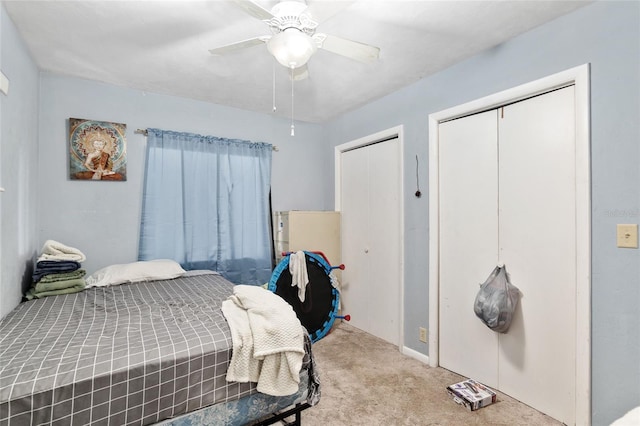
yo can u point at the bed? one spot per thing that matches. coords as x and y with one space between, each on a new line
151 352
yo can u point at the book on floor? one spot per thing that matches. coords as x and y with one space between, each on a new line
471 394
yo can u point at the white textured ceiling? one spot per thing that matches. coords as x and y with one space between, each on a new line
162 47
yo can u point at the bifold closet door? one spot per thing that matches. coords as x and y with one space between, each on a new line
468 242
507 194
355 225
538 246
370 206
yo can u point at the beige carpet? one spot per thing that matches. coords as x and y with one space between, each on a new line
367 381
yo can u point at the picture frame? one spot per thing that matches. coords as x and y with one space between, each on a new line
97 150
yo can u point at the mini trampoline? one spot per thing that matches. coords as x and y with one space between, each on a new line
320 308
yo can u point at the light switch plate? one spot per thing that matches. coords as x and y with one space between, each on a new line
627 235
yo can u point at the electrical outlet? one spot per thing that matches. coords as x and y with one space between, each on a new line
423 334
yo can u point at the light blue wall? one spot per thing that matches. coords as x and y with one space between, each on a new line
18 165
102 218
606 35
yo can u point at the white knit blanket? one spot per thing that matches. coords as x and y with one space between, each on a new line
54 250
268 340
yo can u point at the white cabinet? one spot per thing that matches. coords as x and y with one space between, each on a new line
308 230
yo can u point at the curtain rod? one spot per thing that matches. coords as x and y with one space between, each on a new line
144 132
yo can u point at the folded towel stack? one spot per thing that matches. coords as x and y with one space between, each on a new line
58 271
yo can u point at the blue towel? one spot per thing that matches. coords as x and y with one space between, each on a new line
46 267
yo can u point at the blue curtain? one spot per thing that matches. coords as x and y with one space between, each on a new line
206 204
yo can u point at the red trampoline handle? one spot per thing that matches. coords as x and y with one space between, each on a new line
344 317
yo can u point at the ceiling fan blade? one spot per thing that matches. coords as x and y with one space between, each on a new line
300 73
229 48
254 9
322 11
348 48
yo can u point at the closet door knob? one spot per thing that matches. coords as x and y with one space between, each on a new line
366 250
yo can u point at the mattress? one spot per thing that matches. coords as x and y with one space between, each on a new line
120 355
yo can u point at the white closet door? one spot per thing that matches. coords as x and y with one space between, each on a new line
370 206
468 242
384 241
355 225
538 245
507 194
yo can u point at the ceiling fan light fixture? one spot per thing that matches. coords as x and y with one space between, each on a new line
292 48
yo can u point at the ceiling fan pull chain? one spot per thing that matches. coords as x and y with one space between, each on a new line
274 86
293 133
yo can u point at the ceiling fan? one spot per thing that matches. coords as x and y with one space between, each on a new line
293 39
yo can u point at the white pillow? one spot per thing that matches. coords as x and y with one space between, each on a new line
148 270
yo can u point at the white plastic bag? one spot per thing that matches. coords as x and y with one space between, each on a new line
497 300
